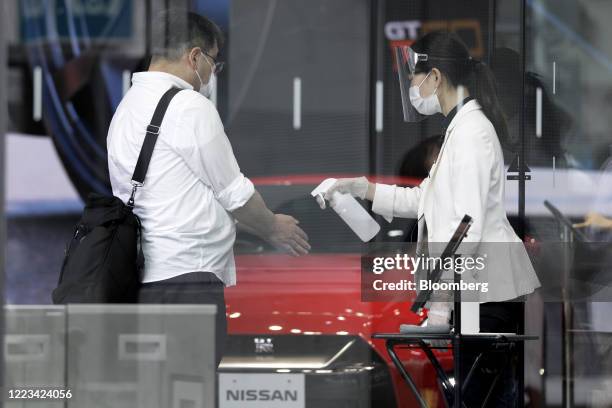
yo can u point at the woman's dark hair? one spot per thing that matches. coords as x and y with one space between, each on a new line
449 54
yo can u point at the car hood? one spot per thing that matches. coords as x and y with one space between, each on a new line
313 294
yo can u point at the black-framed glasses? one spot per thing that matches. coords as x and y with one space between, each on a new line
217 64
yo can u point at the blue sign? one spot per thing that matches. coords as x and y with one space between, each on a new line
216 10
76 19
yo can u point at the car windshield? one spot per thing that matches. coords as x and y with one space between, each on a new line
326 231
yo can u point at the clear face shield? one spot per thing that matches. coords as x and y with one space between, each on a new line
406 62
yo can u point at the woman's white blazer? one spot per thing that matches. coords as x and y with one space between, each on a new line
467 178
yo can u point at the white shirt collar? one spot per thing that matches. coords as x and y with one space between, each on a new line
159 76
468 107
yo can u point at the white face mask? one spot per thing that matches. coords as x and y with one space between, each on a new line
429 105
207 89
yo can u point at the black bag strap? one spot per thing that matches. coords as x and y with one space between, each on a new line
144 158
146 152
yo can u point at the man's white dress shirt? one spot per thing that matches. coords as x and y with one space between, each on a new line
192 184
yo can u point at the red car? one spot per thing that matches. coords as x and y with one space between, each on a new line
299 333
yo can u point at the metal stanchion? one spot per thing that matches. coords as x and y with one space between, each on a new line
457 346
3 127
567 323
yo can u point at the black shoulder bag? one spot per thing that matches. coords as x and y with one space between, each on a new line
104 259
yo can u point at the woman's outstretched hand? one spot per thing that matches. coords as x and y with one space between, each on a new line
357 187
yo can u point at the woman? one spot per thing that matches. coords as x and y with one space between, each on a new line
437 75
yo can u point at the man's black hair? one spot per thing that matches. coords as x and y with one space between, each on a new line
176 31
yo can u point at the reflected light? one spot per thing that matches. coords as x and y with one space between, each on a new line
275 328
234 315
283 370
395 233
296 331
341 318
297 363
342 333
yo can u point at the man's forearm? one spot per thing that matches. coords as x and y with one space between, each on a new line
241 226
255 216
280 230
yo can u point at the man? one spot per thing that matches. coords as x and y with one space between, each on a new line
194 191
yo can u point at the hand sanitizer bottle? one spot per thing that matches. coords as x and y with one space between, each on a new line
351 212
